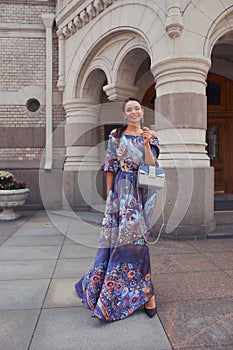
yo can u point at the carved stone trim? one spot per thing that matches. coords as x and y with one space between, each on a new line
174 25
85 16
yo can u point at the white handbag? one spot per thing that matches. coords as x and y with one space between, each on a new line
151 176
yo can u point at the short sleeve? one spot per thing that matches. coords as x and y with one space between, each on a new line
111 163
154 143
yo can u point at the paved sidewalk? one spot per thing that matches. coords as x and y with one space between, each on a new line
42 256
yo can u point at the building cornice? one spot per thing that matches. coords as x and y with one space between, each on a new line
34 2
78 13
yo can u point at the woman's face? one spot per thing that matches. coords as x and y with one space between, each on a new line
133 112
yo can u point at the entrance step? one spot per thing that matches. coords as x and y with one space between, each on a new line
223 217
223 202
223 205
224 225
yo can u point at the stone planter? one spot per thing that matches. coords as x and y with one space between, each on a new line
9 199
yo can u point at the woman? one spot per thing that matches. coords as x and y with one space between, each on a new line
120 280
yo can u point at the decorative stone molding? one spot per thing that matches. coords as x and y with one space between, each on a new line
183 147
41 111
181 75
85 16
121 92
174 23
61 56
81 117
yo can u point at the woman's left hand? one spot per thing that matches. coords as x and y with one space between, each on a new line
147 134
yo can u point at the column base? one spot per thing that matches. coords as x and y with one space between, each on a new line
189 204
82 190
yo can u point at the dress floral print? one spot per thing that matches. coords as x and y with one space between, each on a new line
120 280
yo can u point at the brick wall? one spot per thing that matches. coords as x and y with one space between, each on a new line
23 76
23 64
24 12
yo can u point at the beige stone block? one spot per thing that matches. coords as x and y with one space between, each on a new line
226 3
162 49
195 21
209 8
95 29
191 44
149 22
137 18
118 16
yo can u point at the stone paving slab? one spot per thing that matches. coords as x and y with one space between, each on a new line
72 268
3 238
29 253
62 293
223 261
224 347
22 295
26 269
69 241
199 323
77 251
182 263
164 247
16 328
215 245
34 241
30 231
86 239
193 285
229 272
74 328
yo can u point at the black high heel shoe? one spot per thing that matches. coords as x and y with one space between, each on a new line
150 312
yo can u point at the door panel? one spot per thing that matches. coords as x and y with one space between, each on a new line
216 136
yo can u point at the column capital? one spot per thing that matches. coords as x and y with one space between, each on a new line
81 111
48 19
60 34
119 92
182 74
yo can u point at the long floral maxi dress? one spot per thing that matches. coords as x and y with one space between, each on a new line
120 280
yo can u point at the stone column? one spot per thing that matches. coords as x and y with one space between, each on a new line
82 156
48 20
181 122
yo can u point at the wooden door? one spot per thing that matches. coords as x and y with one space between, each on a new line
220 130
216 136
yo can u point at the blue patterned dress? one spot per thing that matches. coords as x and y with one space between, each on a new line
120 280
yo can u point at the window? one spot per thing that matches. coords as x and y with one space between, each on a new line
33 105
213 94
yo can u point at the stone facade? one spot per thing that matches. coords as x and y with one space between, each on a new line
102 52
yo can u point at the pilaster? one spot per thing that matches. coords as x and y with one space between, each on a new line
48 20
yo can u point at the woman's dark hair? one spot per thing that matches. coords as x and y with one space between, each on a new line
122 128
